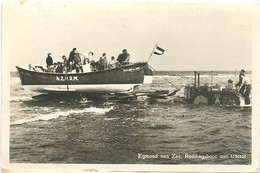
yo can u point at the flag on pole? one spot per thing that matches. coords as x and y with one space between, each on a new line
158 51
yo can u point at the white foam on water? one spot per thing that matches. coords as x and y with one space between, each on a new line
110 119
20 98
167 76
58 114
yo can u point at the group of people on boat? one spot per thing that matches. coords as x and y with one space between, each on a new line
243 86
76 62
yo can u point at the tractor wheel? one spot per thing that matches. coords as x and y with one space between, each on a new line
230 100
200 99
150 101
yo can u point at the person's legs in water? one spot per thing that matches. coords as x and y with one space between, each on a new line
247 94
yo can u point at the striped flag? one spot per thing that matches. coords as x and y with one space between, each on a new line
158 51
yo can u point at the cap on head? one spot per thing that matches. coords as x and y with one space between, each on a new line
49 54
243 71
74 49
230 81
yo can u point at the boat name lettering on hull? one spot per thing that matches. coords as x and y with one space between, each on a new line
67 78
132 69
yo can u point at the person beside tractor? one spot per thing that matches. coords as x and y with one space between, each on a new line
247 90
239 86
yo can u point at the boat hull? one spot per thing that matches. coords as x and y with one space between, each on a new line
122 79
101 88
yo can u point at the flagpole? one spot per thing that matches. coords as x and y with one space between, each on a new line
152 52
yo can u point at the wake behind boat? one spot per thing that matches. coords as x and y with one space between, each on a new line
121 79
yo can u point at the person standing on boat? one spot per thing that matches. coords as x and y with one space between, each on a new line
124 57
89 57
49 60
65 63
72 59
86 66
103 62
77 61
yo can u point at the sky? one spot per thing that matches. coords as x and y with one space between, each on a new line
195 36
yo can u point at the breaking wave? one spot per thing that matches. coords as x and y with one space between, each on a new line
20 98
166 76
58 114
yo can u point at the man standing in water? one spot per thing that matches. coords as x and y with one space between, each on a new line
247 86
49 60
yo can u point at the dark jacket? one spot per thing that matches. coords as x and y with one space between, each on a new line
122 57
77 58
71 56
49 61
241 76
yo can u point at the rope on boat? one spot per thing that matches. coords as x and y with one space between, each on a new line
165 78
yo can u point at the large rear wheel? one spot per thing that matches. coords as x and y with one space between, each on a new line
200 100
230 100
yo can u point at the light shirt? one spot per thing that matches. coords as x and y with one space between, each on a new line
229 86
112 64
86 68
90 57
247 81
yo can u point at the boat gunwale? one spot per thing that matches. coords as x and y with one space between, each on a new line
93 72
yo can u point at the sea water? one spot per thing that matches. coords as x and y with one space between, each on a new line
107 132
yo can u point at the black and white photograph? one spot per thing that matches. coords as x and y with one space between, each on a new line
130 85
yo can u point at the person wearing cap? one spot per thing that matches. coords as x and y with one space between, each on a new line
229 85
59 68
49 60
124 57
